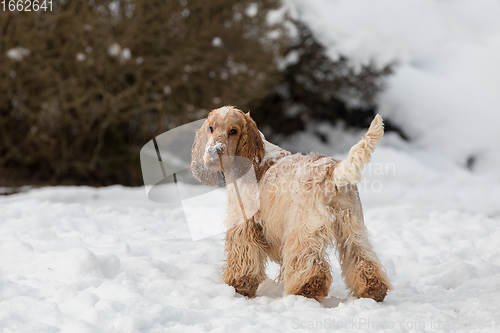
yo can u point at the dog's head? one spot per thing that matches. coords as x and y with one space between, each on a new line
226 134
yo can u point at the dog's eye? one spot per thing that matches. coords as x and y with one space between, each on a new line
232 132
211 129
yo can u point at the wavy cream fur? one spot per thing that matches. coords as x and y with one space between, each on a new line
349 170
307 204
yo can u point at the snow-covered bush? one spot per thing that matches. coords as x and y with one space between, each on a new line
86 85
444 91
315 86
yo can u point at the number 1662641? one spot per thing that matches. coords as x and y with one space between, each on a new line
26 5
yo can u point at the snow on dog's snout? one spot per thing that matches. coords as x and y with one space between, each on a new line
212 151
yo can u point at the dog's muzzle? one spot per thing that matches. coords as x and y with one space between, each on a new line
214 150
212 153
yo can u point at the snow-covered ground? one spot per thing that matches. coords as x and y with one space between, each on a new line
79 259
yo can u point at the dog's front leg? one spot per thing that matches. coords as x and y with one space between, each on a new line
245 258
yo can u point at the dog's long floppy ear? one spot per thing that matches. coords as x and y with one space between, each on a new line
251 145
198 168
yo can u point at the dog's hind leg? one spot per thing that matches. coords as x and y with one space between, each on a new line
306 270
361 269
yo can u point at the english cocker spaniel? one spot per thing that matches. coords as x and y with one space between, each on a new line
303 205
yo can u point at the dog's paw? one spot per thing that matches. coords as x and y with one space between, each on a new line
370 284
245 285
375 290
317 288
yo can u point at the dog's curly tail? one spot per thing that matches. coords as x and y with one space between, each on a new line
348 171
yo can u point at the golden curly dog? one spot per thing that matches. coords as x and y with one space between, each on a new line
307 203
